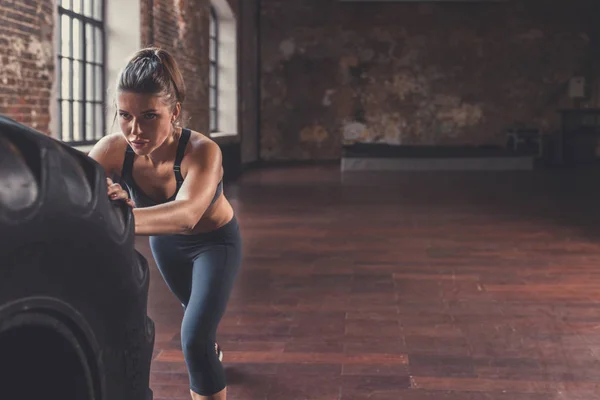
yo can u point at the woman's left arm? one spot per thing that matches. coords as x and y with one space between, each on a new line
181 215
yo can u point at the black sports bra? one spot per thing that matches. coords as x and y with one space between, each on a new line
142 199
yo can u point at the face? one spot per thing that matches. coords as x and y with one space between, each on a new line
145 120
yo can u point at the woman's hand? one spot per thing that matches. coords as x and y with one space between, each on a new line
116 192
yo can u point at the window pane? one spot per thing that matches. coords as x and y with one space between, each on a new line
212 97
213 75
77 45
98 45
65 39
99 121
213 120
65 90
77 80
87 8
99 89
60 120
77 6
89 82
66 4
213 24
89 43
66 120
77 121
213 50
98 9
89 121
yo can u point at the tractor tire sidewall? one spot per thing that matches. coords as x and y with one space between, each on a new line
76 246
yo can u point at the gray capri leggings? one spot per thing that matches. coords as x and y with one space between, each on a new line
200 270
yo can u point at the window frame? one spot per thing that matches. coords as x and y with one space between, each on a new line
97 101
213 87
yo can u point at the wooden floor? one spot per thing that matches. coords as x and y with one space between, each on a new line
457 286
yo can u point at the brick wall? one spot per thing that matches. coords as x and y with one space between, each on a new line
423 74
248 82
27 61
27 55
181 27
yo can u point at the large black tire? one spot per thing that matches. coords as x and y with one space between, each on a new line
73 289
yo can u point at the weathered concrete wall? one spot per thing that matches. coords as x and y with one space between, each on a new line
181 27
408 73
27 61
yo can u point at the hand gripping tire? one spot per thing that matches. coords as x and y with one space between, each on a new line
73 289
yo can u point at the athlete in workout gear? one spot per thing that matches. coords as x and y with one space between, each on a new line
174 176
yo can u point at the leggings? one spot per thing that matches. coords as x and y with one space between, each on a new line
200 270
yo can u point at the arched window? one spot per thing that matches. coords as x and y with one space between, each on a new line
214 71
223 70
80 71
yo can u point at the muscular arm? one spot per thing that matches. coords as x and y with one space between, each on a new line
181 215
103 153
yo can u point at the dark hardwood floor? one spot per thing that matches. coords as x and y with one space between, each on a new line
415 286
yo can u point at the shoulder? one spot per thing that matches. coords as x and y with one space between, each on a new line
109 151
111 141
203 149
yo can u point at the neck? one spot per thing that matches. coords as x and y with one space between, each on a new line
165 152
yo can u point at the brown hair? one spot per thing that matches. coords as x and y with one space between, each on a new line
154 71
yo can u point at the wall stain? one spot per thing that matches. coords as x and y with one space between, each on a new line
413 74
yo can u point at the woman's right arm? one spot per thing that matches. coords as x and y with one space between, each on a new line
108 152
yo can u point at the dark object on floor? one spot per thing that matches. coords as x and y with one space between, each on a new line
524 140
382 157
73 289
579 140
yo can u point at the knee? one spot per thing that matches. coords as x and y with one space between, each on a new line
198 332
199 345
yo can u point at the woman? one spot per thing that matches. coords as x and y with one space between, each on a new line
174 176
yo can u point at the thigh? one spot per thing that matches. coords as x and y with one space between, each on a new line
213 276
175 269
